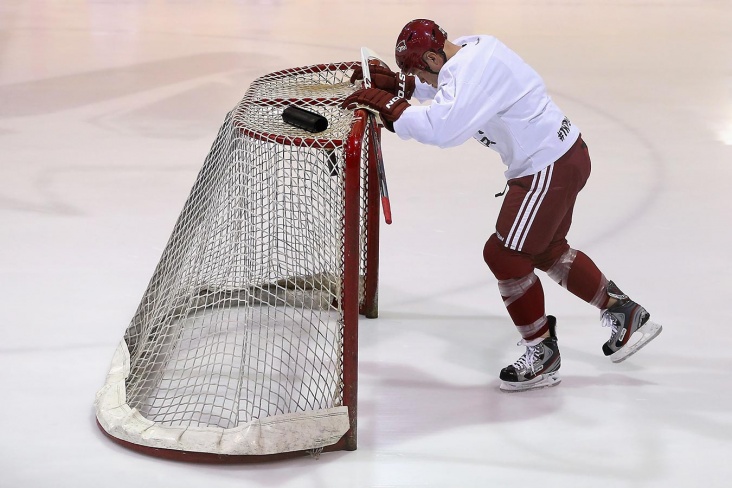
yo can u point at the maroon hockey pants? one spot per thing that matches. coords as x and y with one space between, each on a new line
531 233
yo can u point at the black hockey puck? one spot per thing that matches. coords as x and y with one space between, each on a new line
304 119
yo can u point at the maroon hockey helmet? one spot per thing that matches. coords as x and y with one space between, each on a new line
416 38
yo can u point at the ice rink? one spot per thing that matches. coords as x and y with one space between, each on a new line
108 109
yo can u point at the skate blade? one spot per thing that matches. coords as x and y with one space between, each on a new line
542 381
648 332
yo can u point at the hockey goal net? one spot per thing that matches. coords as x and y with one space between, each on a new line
245 341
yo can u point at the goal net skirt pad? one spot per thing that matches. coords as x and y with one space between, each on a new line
245 341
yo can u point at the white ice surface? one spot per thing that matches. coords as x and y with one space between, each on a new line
108 108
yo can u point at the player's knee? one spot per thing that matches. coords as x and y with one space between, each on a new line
505 263
491 251
551 255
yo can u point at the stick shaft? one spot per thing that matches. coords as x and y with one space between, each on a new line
385 203
383 189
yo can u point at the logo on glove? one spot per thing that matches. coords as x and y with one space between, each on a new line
391 102
402 85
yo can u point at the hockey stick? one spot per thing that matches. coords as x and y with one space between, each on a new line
366 56
385 203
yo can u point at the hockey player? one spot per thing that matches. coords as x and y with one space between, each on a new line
479 88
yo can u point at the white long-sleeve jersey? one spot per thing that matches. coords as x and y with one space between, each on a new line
488 92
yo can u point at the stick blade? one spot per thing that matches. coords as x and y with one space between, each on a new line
367 56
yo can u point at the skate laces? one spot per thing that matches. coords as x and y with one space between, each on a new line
529 358
607 319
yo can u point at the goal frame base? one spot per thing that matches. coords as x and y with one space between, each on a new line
346 443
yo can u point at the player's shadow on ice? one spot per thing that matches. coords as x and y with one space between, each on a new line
405 403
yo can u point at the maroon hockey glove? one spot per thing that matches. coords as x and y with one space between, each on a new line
387 105
397 84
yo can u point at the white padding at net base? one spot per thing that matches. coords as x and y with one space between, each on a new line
274 434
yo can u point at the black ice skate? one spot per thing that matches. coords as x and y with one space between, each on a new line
537 368
630 324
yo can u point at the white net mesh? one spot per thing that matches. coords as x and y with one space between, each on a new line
243 317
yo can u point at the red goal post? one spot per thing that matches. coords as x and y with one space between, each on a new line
245 343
